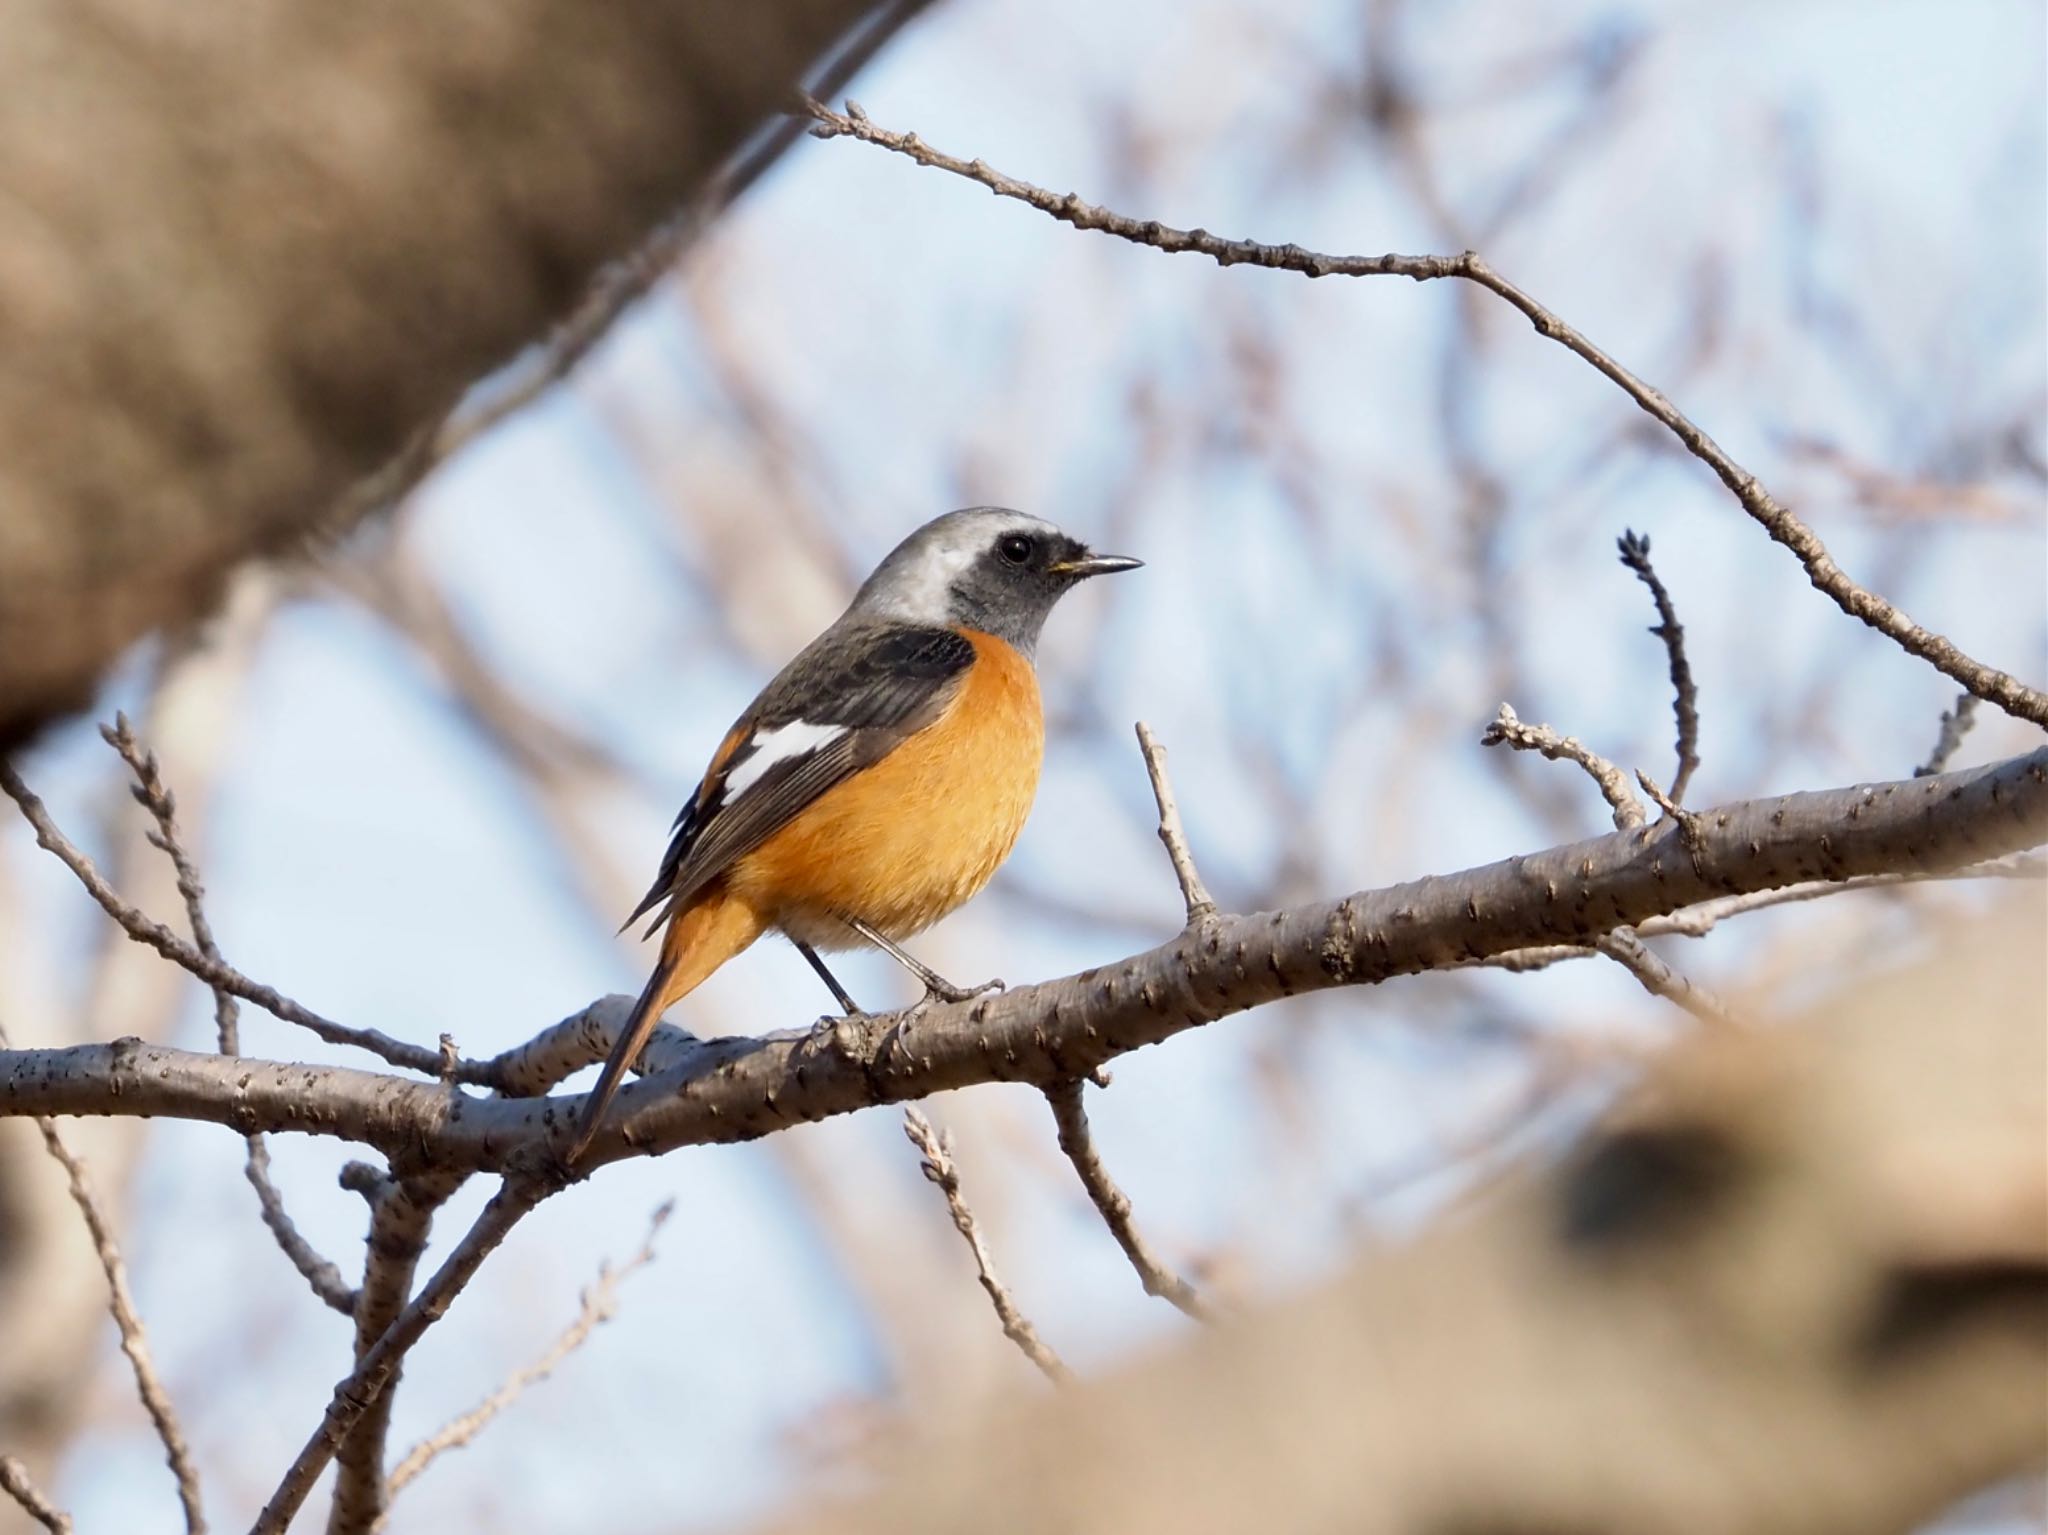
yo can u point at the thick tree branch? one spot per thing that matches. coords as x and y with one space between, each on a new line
1986 682
401 1218
734 1089
1698 921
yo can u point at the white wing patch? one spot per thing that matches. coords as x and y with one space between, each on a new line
796 739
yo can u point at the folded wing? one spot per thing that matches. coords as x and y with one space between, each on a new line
843 704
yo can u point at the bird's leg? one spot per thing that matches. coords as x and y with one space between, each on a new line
839 993
935 985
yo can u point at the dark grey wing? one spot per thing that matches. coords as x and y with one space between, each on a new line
844 703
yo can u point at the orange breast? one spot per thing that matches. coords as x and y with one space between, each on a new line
902 843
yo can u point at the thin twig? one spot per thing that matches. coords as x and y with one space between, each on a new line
1685 702
1690 828
1986 682
1955 724
1071 1115
1508 729
17 1484
153 795
353 1396
1626 948
1172 834
938 1168
134 1340
213 972
599 1304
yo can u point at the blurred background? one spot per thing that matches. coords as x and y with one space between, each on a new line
429 772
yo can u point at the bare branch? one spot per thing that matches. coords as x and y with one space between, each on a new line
213 972
1171 833
938 1168
582 1039
1698 921
134 1340
1988 683
401 1218
599 1304
1651 1320
151 793
1507 729
355 1395
1685 703
1071 1115
16 1483
737 1088
1626 948
1955 724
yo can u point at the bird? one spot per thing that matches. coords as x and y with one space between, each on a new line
878 781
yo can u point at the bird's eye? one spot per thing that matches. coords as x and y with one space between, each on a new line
1015 547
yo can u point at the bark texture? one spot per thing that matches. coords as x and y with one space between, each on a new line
740 1088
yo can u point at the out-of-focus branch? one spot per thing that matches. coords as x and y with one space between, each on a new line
600 1303
358 1393
1795 1285
1685 698
733 1088
1508 729
307 306
1626 948
939 1170
152 794
18 1485
1070 1114
619 286
134 1340
1986 682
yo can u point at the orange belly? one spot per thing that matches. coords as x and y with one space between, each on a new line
906 841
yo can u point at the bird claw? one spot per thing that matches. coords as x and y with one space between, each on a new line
939 990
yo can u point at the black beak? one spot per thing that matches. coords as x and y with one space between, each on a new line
1095 565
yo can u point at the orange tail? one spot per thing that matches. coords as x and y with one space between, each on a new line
699 940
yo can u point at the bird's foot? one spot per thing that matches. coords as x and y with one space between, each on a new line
938 989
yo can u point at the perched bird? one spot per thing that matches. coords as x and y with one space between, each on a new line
879 780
